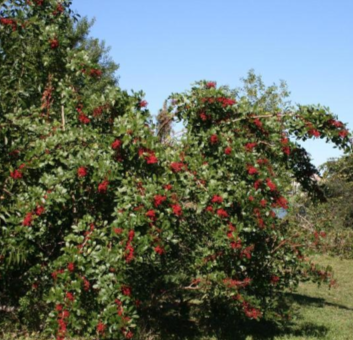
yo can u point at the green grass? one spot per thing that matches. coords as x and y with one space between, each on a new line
321 314
325 314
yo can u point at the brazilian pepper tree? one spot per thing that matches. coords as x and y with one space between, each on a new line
102 223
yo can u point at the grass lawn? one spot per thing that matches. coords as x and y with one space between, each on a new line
322 313
325 314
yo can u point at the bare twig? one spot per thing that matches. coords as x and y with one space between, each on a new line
310 225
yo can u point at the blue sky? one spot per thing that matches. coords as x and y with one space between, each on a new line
163 46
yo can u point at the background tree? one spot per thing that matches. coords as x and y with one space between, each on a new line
271 98
337 181
164 123
329 223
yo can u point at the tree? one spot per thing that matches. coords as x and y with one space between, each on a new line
103 224
330 222
164 124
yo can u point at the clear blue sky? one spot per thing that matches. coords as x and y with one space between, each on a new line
163 46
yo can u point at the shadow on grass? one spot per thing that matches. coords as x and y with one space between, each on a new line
224 324
305 300
178 329
225 328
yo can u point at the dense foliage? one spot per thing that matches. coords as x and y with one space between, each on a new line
103 224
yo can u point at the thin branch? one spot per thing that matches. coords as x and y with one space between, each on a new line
237 120
265 143
179 132
191 288
261 116
63 117
281 244
8 192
